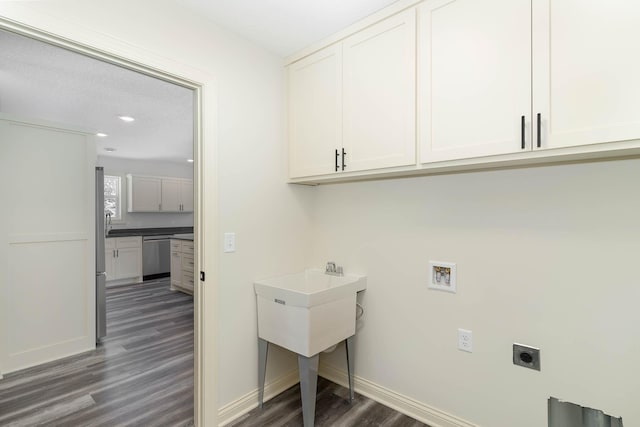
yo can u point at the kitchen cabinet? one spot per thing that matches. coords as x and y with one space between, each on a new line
352 104
123 259
144 193
182 265
159 194
506 77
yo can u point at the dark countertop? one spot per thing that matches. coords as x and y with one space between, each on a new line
186 236
162 231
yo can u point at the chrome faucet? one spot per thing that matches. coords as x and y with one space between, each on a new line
333 269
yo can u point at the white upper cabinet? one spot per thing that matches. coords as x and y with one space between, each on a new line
315 112
352 104
143 193
159 194
171 201
186 195
586 71
474 78
379 95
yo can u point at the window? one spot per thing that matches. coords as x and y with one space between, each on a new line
112 199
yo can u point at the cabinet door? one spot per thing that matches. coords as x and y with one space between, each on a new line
380 95
170 195
176 268
315 113
129 263
586 71
474 78
186 195
144 193
110 258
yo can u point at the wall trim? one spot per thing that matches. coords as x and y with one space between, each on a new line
418 410
237 408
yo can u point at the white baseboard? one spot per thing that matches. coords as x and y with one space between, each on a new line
421 412
249 401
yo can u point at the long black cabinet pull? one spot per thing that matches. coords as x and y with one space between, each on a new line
344 153
539 133
522 132
337 155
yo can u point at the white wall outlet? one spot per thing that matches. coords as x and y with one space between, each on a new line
465 340
442 276
229 242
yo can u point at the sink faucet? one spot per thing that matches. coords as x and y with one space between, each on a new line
333 269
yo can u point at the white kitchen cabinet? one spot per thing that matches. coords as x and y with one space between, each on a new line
379 95
144 193
123 256
501 77
186 195
159 194
182 265
586 75
315 113
352 104
170 200
474 78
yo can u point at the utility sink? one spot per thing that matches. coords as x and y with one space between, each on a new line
307 312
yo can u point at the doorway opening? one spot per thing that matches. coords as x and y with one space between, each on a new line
194 89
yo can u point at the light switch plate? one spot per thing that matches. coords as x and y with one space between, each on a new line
229 242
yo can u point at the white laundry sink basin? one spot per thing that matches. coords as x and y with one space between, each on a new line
307 312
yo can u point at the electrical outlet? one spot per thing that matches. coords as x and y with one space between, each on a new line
465 340
229 242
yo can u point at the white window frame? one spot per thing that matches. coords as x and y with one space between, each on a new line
118 216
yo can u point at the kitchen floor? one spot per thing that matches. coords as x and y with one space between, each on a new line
141 375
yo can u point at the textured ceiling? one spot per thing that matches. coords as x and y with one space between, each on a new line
41 81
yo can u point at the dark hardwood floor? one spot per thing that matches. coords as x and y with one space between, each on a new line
142 374
332 410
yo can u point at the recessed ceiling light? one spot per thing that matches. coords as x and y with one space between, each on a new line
101 135
190 160
109 149
126 118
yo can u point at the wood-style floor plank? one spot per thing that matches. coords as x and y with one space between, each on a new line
142 375
332 410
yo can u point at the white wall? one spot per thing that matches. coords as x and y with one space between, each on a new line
545 256
47 241
121 167
270 218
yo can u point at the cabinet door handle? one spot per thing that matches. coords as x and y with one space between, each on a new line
539 143
344 153
117 253
114 253
522 132
160 206
337 159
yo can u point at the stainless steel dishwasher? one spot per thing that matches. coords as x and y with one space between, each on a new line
156 256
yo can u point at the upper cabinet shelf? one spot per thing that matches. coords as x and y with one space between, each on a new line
495 83
159 194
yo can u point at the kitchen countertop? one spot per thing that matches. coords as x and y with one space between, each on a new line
186 236
161 231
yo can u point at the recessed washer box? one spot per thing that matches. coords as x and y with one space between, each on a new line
442 276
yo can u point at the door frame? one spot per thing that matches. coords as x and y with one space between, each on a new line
204 86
